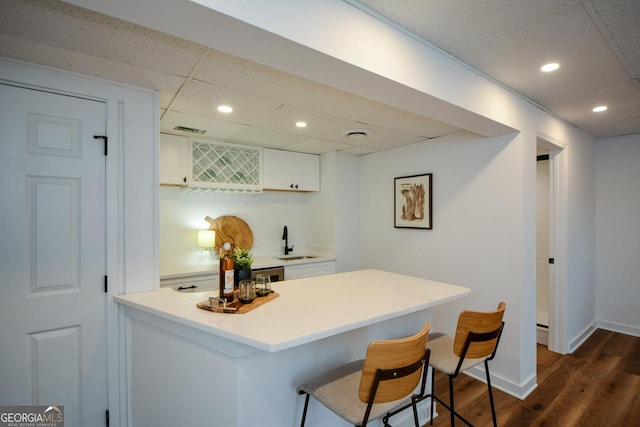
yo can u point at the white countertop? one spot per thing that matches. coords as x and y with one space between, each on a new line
307 309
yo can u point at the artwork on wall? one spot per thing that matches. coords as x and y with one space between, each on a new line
412 200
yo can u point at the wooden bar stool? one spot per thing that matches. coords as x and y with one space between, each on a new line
476 341
384 381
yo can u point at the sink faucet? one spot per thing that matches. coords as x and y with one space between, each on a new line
285 237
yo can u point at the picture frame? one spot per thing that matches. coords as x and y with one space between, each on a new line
412 202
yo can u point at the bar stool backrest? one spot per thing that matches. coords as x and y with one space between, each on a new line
478 322
393 354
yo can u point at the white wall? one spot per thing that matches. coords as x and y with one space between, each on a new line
618 233
476 239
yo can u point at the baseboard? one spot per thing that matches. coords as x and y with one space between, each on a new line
581 338
619 327
519 391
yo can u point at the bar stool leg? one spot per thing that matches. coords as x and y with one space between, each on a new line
453 412
493 409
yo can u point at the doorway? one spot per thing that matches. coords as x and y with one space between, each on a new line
543 246
550 244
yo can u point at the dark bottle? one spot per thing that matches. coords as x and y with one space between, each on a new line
226 272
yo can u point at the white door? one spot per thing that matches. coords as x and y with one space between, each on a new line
52 253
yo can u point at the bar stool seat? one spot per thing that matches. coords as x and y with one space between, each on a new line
380 385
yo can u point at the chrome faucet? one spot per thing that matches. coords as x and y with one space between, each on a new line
285 237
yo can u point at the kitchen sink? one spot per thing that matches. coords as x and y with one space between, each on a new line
296 258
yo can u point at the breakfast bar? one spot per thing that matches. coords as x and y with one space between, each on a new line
188 366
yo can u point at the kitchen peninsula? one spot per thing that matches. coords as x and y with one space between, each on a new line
189 366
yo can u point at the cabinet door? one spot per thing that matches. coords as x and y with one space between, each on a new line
174 160
309 270
306 172
277 169
287 170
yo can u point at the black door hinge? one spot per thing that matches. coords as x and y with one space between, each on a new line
105 139
106 417
106 284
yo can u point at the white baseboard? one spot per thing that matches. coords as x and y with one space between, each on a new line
582 337
619 327
520 391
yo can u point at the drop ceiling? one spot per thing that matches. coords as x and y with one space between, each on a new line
594 41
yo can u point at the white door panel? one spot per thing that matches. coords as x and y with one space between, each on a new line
52 253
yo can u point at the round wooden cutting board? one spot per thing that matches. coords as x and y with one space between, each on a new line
231 229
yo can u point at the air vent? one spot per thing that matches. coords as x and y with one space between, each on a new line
190 130
357 133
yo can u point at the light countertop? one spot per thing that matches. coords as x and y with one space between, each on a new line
307 309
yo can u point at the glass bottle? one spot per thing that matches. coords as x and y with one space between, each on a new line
226 273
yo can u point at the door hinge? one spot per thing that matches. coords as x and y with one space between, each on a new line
552 260
105 139
106 417
106 284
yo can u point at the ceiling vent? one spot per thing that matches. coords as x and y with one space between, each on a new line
357 133
190 130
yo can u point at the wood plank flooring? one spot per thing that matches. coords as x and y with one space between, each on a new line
597 385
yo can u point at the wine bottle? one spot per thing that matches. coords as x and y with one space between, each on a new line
226 273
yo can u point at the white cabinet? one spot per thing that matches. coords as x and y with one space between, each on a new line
287 170
174 160
309 270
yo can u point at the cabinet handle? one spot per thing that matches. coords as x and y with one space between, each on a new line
185 179
296 186
291 186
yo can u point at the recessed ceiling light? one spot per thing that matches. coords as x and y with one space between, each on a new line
301 124
547 68
599 109
225 108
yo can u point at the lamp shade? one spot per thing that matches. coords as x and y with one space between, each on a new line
206 238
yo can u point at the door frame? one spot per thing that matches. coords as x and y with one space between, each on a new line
558 242
132 194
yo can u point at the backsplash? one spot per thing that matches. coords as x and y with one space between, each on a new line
182 213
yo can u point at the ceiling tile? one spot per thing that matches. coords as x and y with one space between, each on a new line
622 20
252 135
317 146
215 129
61 25
456 26
201 99
569 37
166 84
622 99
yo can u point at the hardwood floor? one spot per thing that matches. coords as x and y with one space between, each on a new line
597 385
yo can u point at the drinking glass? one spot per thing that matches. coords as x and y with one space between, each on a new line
247 291
263 285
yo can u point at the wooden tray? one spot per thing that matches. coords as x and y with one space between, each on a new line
231 229
239 307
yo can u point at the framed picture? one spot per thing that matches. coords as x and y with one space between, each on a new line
412 200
